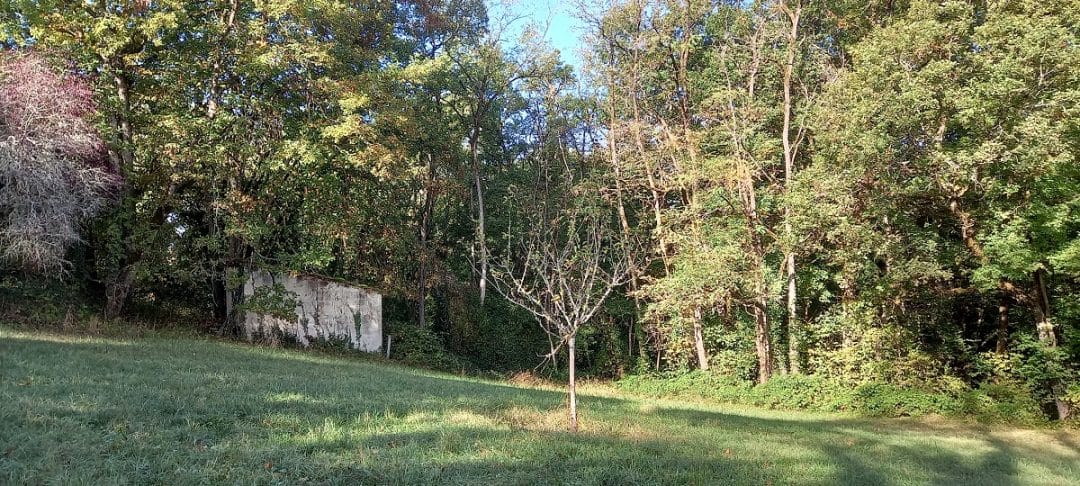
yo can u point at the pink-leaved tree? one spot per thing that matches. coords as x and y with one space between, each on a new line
54 169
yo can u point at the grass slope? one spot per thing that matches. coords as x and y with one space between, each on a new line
190 411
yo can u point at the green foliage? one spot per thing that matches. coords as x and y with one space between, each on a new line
72 307
1004 402
272 300
884 400
1047 371
36 303
806 392
695 384
421 347
1072 397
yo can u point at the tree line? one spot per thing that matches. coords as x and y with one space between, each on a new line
870 192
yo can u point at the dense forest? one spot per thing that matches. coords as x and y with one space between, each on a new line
879 198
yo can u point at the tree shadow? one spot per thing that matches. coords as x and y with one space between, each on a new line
293 418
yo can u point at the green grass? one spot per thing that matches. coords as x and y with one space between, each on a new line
194 411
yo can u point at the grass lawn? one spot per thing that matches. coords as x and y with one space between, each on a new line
192 411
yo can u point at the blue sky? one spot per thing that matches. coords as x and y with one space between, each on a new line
562 28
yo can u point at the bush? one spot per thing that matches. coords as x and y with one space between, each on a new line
1024 381
422 347
69 306
803 392
885 400
1001 402
695 384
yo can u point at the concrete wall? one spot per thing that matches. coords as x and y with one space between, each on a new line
325 310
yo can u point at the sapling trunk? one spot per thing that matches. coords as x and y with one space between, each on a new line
572 386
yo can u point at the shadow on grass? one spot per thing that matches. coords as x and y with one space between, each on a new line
196 411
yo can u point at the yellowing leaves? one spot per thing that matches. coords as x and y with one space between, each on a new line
355 102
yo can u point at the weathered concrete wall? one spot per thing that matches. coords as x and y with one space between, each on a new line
324 310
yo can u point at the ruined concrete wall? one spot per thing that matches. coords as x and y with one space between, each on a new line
321 310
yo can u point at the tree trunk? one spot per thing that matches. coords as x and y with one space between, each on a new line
789 171
1048 338
635 331
762 343
654 188
230 301
1063 409
1003 325
235 267
117 290
425 230
571 348
760 301
217 292
762 332
118 286
481 235
699 341
794 330
1042 311
123 94
747 193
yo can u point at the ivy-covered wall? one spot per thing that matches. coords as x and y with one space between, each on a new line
308 310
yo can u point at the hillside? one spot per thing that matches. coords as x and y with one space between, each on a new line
190 411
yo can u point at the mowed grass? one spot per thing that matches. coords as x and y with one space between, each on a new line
191 411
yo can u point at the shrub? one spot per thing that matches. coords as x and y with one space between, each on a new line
419 346
804 392
695 384
885 400
1002 402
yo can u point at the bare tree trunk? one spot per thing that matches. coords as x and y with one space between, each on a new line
421 284
425 230
481 234
233 249
759 299
1048 337
1003 325
699 341
117 290
793 327
234 265
572 350
657 198
762 332
117 287
762 341
635 330
1042 311
793 330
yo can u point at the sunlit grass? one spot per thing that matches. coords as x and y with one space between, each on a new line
189 411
